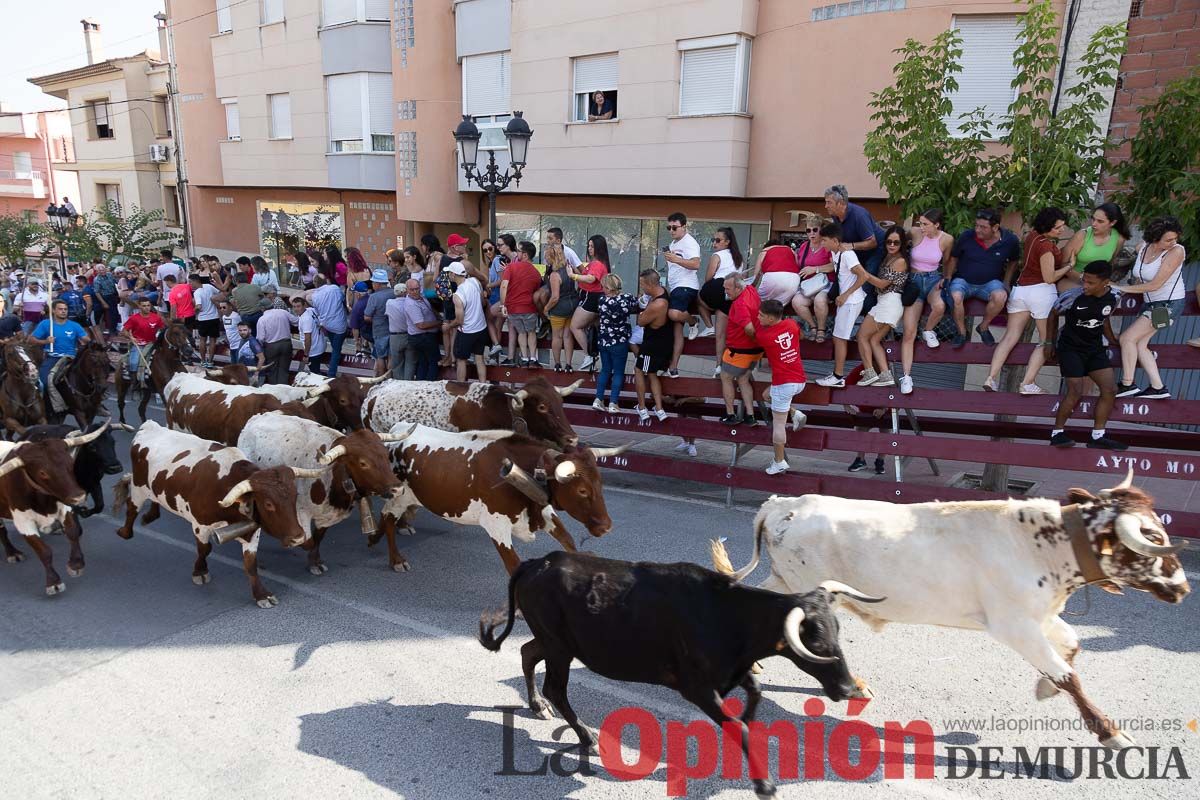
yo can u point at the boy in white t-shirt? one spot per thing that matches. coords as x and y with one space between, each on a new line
851 277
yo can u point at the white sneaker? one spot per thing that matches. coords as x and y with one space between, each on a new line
587 363
662 415
613 408
989 385
906 385
708 331
799 419
598 404
692 332
1031 388
885 379
643 414
717 371
931 339
684 444
868 377
832 381
691 450
777 467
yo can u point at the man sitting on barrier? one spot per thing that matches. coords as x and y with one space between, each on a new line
780 339
741 351
1086 313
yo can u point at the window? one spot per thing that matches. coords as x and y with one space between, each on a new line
99 117
29 215
714 75
233 122
109 193
988 71
22 165
272 11
280 107
224 16
486 88
360 113
337 12
595 74
171 205
162 115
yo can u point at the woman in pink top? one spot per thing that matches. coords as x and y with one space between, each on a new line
811 260
928 254
333 257
590 291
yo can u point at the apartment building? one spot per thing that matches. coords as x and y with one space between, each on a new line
122 126
36 152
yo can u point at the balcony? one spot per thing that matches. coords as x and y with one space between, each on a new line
22 183
17 125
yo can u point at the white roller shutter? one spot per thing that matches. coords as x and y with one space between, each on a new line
334 12
486 84
101 110
224 17
233 121
596 72
379 9
379 90
707 81
272 11
281 116
345 107
988 71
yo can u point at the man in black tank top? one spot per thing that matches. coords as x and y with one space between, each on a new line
657 347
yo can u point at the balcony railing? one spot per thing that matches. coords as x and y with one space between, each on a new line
21 174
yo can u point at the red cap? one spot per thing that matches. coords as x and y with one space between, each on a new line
453 240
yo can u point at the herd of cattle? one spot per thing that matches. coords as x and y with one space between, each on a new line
238 462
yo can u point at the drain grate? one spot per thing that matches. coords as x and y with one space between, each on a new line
974 482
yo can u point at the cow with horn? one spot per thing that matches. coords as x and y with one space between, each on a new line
1006 567
39 495
218 412
95 457
222 494
509 484
233 374
336 402
535 410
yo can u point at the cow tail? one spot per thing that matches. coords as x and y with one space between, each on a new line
488 622
720 557
121 491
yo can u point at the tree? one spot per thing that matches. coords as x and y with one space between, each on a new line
107 232
1161 177
17 236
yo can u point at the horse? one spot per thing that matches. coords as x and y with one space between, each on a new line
171 349
20 396
83 385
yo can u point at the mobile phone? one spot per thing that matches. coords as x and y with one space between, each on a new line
666 248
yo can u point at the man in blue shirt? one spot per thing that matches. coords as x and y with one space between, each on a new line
329 304
60 336
980 266
860 233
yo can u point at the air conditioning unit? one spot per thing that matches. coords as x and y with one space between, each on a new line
160 153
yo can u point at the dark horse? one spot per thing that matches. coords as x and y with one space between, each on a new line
83 385
20 398
171 349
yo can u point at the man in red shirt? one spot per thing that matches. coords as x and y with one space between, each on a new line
517 285
780 339
141 330
742 352
183 306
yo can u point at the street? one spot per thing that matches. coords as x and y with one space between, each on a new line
368 683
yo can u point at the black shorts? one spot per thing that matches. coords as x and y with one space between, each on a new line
713 295
682 298
1074 363
208 328
651 362
468 345
190 323
590 302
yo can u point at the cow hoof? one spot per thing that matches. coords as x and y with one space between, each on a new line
15 558
764 789
373 539
317 569
124 533
200 580
862 691
268 602
542 711
74 573
408 531
756 668
57 588
401 566
1045 688
1118 741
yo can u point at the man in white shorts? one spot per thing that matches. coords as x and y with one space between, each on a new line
780 340
851 278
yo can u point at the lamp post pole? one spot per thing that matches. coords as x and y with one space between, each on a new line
490 179
61 219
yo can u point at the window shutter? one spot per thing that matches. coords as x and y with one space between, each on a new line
224 17
101 112
345 107
988 70
596 72
486 84
272 11
707 81
379 9
281 116
233 122
22 165
379 90
337 11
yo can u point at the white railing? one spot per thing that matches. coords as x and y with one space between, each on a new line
21 174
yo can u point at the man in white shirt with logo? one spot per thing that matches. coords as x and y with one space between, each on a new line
683 263
472 335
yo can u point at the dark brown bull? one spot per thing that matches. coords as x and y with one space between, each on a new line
172 349
231 374
218 412
20 397
83 384
341 406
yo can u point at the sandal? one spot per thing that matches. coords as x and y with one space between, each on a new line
820 337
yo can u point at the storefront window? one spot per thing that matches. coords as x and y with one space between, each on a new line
288 227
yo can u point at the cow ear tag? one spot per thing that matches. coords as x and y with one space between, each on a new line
348 486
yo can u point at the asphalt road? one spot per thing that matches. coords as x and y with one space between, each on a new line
368 683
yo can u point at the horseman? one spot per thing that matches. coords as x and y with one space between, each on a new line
141 330
61 338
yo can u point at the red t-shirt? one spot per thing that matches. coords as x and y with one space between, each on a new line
1036 246
181 298
523 280
781 343
598 270
779 259
144 329
742 312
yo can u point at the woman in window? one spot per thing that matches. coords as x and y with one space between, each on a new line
588 280
1099 241
601 108
1158 276
724 261
931 248
357 270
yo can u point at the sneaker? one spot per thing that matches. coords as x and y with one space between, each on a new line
1127 389
832 381
885 379
598 404
613 408
989 385
730 420
662 415
692 332
1161 393
1062 440
717 371
750 419
494 351
1193 342
1031 388
777 467
906 385
985 336
508 362
533 363
707 331
879 466
857 465
959 340
1105 443
931 339
587 363
643 414
672 373
799 419
869 377
684 444
691 450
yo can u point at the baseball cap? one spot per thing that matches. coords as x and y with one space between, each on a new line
379 276
457 268
361 286
453 240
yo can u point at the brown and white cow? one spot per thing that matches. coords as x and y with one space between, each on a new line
508 484
535 410
353 467
220 492
218 412
230 374
340 406
37 493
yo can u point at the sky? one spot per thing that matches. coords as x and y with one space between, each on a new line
41 38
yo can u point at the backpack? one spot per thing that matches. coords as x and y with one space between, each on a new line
76 308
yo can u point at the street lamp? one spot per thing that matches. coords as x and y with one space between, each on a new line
490 179
61 222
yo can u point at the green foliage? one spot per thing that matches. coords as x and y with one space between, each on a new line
17 235
1162 174
107 232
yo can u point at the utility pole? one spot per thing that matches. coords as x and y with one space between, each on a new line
181 183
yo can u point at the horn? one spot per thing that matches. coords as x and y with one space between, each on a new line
837 587
518 399
373 381
1130 534
214 373
564 471
126 428
231 532
304 472
791 632
391 438
604 452
235 493
1125 484
310 402
563 391
333 455
515 476
11 465
317 391
79 441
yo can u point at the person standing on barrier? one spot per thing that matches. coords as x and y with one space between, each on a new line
742 352
613 341
861 234
654 353
683 276
851 278
1086 314
780 340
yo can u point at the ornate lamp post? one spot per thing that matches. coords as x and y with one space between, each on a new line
61 222
490 179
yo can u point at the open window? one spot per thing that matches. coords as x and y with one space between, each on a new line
595 88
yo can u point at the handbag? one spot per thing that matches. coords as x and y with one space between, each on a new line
1160 310
811 287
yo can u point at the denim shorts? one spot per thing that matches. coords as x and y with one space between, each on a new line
1174 306
975 290
926 281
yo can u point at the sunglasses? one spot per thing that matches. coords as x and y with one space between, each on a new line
715 240
814 230
674 227
895 242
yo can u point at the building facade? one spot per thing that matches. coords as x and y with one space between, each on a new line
36 154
